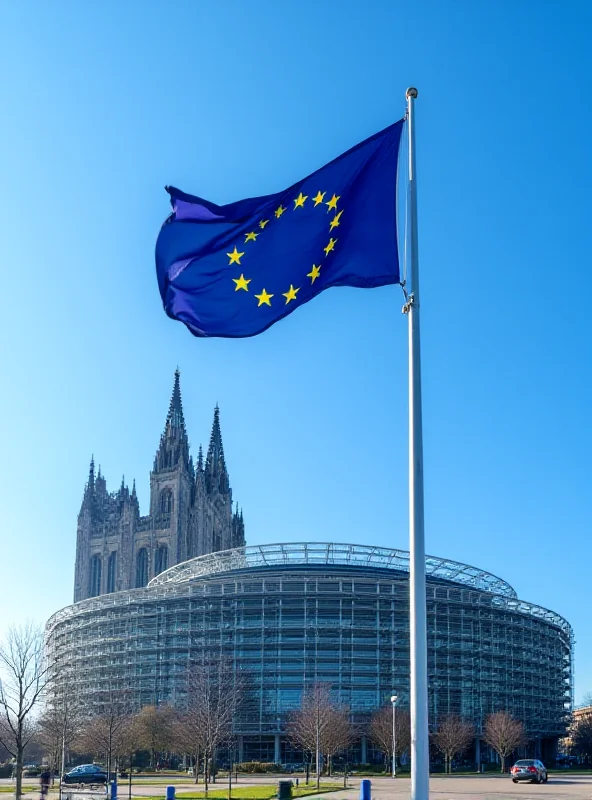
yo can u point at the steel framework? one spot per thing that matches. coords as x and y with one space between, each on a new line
327 553
288 615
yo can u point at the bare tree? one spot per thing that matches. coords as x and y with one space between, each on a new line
454 736
319 727
587 699
58 726
22 681
504 733
307 727
108 733
188 735
339 734
154 726
381 731
580 735
214 691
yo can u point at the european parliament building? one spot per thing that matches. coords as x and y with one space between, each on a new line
155 594
289 615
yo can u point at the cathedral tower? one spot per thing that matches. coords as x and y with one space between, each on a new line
190 514
171 482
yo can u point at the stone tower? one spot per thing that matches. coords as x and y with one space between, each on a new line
171 482
190 514
213 524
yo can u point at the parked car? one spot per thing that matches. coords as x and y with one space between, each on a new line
31 770
529 769
87 773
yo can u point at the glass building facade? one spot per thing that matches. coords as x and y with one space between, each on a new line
287 616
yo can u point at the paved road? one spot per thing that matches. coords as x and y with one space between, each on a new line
484 787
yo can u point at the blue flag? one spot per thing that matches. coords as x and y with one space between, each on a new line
236 269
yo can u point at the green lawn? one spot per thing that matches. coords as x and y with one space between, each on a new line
10 789
263 792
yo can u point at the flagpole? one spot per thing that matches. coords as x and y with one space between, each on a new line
420 762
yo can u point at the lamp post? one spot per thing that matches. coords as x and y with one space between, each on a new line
394 702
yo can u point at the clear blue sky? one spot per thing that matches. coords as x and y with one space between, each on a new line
105 103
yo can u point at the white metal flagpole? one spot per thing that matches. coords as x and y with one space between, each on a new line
420 762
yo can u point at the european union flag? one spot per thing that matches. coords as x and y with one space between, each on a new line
236 269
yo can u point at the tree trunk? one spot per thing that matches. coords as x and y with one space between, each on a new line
19 771
129 777
503 758
318 754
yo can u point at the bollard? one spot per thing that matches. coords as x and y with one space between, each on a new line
365 789
114 790
170 793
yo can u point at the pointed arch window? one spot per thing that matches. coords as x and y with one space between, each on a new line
111 568
141 568
161 559
95 576
166 501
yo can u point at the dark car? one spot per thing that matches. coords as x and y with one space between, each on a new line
529 769
87 773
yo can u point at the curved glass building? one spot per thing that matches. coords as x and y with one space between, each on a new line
289 615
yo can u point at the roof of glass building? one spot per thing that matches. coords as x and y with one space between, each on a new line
327 554
183 578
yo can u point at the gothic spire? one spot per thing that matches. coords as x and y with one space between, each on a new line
174 445
91 473
216 472
175 416
89 499
200 460
238 529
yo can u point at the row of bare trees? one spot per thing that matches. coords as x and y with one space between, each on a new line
501 731
110 729
321 727
202 726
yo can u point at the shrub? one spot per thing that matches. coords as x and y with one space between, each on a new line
258 767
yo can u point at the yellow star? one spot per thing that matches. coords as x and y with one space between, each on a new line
314 273
263 223
234 257
335 221
318 198
290 294
299 201
263 298
330 246
333 202
252 236
279 211
242 283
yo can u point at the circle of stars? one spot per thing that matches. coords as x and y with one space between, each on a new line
264 298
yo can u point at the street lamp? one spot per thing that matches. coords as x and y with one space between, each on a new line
394 702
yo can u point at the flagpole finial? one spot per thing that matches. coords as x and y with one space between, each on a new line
411 92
